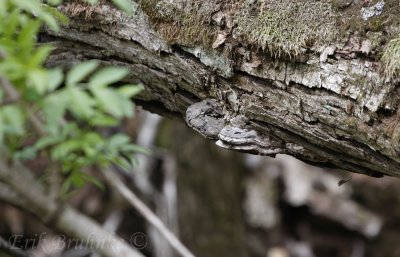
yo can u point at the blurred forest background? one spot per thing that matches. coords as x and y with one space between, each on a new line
223 203
220 203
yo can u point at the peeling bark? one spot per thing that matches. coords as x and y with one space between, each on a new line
330 107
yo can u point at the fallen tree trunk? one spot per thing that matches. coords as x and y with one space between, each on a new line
322 97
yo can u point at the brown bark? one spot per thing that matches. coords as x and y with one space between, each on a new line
330 106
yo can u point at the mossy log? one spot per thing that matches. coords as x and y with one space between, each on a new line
314 79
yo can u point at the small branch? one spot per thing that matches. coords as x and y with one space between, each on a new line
9 89
111 225
10 196
148 214
81 227
21 180
8 102
36 122
23 191
12 250
13 94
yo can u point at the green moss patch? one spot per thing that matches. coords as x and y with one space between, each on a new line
182 22
391 58
285 27
281 28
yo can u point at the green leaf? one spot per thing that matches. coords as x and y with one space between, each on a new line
122 163
107 76
56 77
62 150
118 140
134 161
39 11
80 71
130 91
127 107
39 80
54 2
50 20
47 141
93 180
28 153
109 101
92 138
14 120
1 128
31 95
81 104
28 33
78 180
71 128
135 149
29 5
11 24
124 5
102 120
39 56
3 8
66 186
54 107
60 17
92 2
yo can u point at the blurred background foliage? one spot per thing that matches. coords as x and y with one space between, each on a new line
63 116
224 203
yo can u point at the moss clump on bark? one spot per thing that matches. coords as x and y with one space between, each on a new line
286 26
182 22
277 26
281 28
391 58
76 8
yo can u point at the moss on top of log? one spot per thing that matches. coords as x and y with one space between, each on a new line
391 59
281 28
286 27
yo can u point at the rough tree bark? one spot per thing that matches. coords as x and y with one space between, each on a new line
303 77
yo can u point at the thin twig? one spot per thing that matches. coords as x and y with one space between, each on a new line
12 250
148 214
37 124
9 89
32 199
8 195
8 102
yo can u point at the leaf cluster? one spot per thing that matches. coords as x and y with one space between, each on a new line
61 116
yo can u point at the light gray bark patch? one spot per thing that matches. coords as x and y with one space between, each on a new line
372 11
212 59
